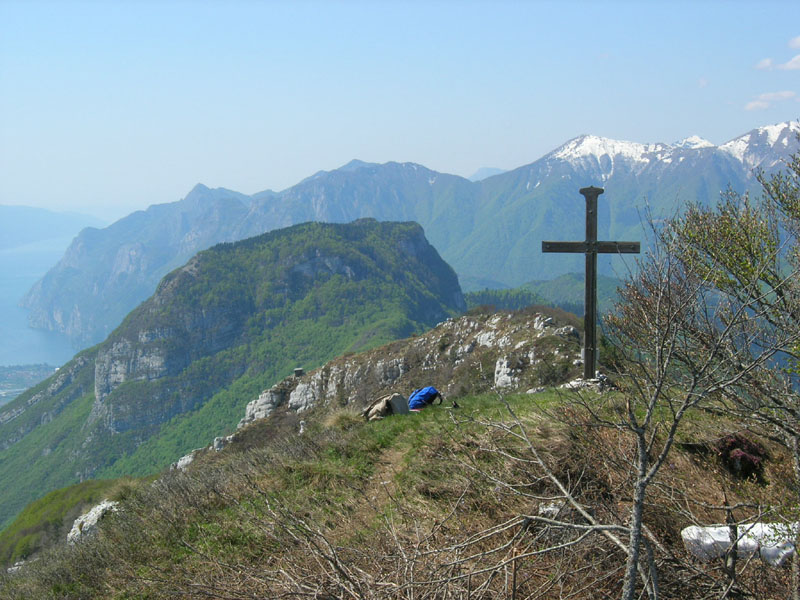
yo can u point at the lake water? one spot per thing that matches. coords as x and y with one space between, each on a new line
20 268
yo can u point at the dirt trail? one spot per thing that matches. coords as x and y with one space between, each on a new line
381 485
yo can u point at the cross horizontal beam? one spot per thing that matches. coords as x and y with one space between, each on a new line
586 247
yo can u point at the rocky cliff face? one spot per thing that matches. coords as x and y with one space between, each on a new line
166 334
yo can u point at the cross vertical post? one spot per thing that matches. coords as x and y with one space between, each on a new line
590 247
590 293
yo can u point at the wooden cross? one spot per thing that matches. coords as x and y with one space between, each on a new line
591 247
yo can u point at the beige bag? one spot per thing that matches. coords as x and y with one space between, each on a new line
393 404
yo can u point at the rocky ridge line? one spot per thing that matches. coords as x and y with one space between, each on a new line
508 352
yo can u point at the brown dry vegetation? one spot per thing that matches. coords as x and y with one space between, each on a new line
441 504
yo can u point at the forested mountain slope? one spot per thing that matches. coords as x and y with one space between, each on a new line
237 317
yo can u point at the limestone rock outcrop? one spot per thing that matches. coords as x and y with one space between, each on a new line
86 525
454 357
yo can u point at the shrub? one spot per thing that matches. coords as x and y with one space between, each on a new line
742 456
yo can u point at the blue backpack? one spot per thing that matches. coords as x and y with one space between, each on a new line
423 397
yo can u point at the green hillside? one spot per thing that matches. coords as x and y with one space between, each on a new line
567 292
235 319
46 521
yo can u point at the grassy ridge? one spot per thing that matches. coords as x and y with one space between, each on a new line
393 505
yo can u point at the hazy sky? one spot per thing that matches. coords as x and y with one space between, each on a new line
108 107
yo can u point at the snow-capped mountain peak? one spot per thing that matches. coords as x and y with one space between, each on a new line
755 149
755 146
693 143
594 146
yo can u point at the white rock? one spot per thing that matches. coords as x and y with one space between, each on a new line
778 555
390 371
221 442
706 543
575 384
600 384
261 407
16 567
86 524
551 510
302 397
773 541
486 338
567 332
465 349
504 374
185 461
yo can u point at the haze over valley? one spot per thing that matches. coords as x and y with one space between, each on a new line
32 240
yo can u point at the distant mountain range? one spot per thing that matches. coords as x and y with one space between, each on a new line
232 321
490 230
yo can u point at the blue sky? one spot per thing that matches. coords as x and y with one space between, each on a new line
108 107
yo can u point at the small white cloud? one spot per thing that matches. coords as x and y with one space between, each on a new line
794 42
702 82
773 96
792 65
756 105
764 63
765 100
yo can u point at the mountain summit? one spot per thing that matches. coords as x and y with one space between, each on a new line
598 147
764 147
693 142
